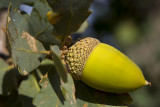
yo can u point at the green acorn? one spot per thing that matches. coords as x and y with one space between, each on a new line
103 67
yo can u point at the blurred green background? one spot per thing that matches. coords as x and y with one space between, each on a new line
133 27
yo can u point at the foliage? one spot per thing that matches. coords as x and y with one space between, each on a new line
37 75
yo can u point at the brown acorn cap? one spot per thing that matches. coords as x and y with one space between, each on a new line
78 54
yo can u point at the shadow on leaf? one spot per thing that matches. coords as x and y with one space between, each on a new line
15 100
10 82
26 101
54 79
11 100
88 94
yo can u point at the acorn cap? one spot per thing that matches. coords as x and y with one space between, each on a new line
78 54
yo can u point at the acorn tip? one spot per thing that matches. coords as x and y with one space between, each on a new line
147 83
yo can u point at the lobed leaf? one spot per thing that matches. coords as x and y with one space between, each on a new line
54 91
69 15
27 52
39 26
36 24
27 90
61 69
29 87
26 49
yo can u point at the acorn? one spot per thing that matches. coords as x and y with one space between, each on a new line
103 67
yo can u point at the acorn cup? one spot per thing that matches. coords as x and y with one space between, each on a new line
103 67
